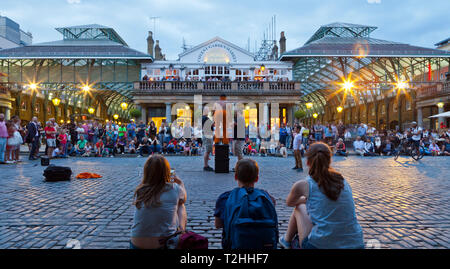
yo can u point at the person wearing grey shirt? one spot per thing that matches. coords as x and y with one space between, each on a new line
160 212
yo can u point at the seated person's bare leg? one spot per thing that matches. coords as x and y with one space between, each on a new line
299 223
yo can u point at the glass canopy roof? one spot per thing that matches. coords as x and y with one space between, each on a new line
87 54
338 51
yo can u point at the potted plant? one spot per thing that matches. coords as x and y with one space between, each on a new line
299 114
135 113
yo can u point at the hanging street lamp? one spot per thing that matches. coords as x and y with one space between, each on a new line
124 105
56 101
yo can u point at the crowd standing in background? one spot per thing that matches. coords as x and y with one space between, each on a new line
215 78
91 138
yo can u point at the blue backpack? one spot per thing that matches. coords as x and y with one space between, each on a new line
250 220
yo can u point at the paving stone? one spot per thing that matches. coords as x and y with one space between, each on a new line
402 204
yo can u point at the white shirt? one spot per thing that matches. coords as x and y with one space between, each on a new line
358 144
434 148
416 133
80 131
368 146
288 130
297 141
55 152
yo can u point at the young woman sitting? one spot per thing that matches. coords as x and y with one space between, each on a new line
324 211
160 211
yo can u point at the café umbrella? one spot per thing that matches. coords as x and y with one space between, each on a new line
443 115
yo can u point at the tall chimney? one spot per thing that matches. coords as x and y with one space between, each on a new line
158 55
282 43
150 43
275 52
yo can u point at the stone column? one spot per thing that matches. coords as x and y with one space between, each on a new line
169 112
440 119
419 117
266 113
295 108
7 113
144 114
290 115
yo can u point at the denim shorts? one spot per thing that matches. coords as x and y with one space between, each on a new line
305 243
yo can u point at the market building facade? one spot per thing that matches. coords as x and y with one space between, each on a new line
211 69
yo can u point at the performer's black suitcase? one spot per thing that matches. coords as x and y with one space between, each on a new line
222 159
57 173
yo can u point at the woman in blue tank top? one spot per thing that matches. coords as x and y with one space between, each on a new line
324 214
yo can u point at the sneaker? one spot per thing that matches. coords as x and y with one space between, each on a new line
9 162
300 170
111 156
139 156
208 168
294 168
283 243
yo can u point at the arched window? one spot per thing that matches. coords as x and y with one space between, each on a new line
216 55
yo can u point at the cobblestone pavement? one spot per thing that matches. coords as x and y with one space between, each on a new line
402 204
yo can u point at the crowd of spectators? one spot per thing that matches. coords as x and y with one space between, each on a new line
91 138
362 139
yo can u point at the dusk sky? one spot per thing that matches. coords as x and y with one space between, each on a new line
417 22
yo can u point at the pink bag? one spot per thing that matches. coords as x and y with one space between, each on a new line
191 240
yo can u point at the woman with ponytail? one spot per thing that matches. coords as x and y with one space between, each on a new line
324 211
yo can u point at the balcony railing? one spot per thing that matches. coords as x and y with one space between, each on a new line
217 88
435 90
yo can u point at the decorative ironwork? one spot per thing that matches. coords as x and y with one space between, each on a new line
217 88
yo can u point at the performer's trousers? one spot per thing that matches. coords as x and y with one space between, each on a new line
298 159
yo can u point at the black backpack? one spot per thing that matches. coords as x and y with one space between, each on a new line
57 173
